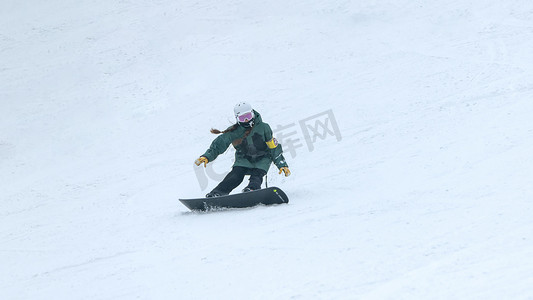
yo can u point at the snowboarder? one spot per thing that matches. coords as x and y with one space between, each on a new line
255 149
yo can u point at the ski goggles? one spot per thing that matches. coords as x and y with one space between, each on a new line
245 117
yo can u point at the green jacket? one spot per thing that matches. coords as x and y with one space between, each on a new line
258 150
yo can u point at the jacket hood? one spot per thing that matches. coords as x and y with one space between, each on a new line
257 118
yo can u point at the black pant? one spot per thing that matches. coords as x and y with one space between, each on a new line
236 176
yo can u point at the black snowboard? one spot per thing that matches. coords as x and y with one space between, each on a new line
268 196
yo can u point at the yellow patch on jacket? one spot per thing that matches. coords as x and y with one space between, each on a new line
273 143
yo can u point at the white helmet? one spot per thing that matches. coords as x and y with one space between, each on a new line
244 114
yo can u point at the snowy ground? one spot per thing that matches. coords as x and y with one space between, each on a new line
424 192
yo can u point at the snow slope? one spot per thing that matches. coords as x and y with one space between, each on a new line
425 193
